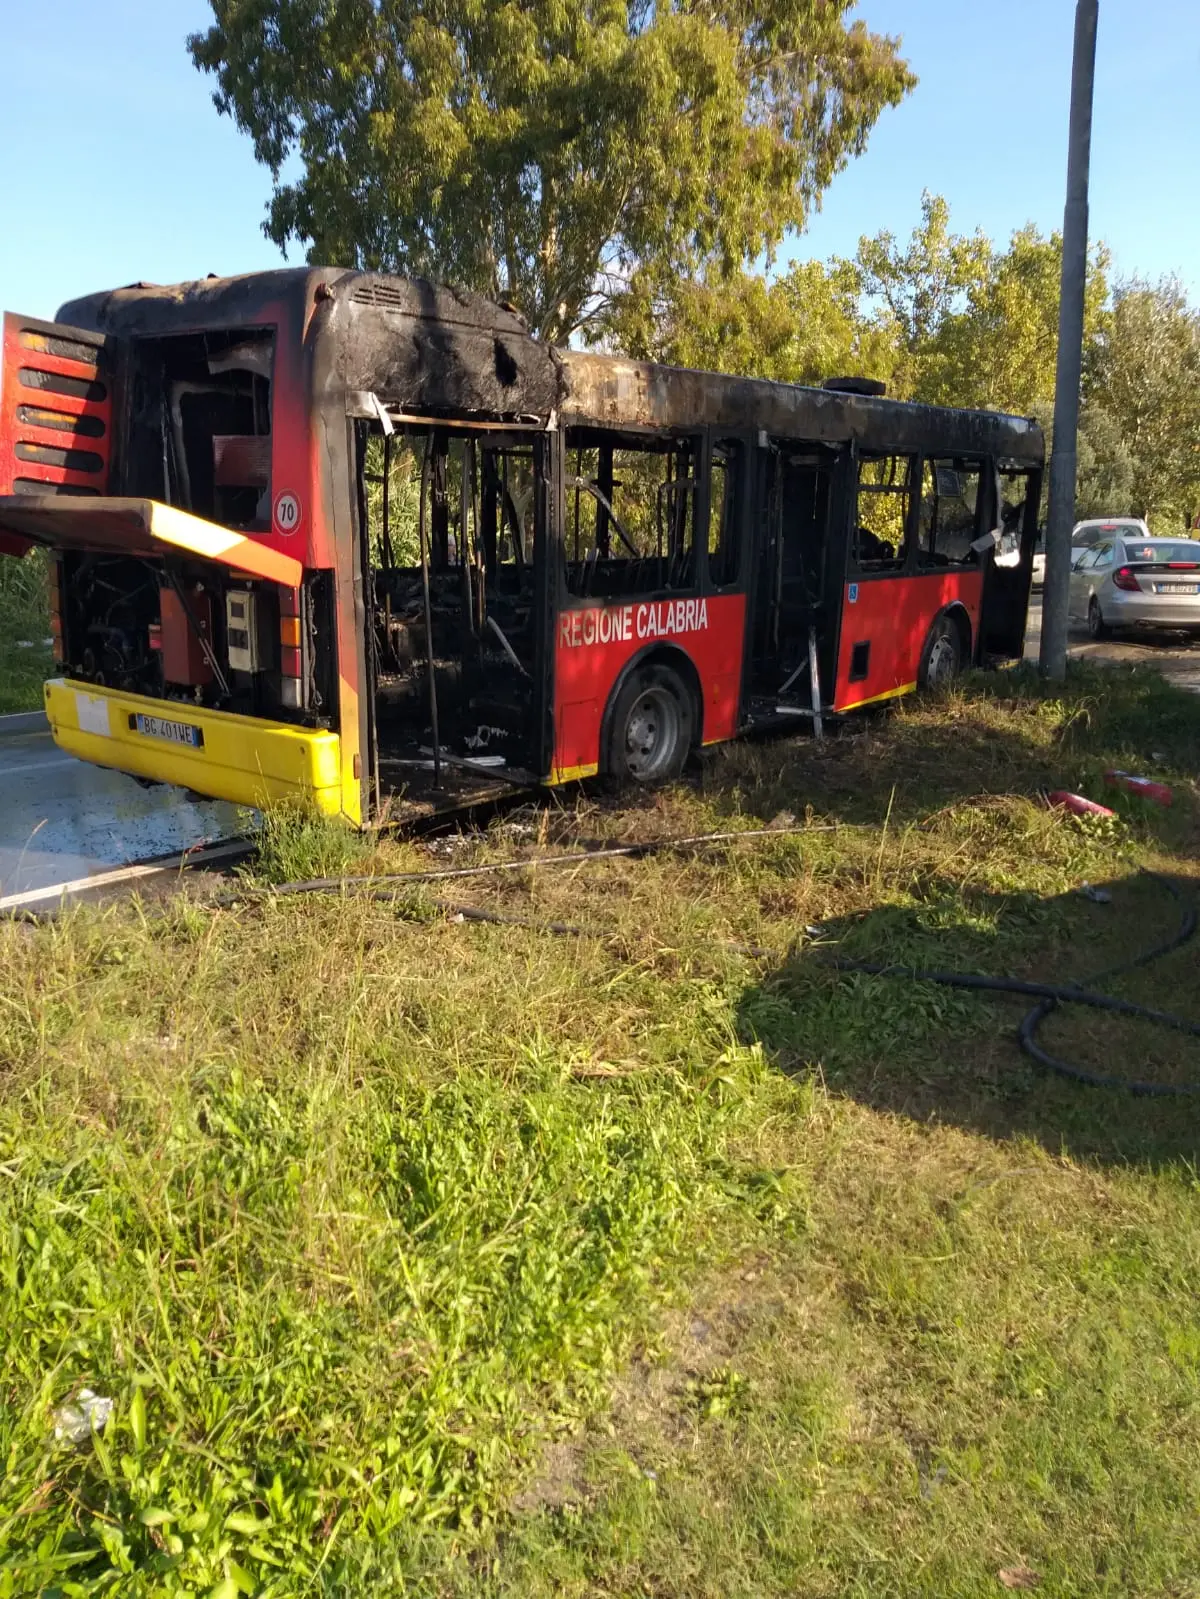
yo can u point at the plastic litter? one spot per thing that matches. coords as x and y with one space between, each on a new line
1077 804
78 1419
1098 896
1145 787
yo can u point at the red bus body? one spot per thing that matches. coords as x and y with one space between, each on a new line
302 518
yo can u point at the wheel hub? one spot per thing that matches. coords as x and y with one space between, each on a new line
943 658
651 733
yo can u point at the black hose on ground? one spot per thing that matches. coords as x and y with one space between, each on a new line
1051 995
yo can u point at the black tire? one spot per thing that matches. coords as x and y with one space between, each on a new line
942 657
1096 625
650 728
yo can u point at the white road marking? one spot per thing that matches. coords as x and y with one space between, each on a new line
200 856
35 766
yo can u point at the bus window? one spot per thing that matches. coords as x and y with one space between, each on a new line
724 523
631 515
948 524
883 505
507 512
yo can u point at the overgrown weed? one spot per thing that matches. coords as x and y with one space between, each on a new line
25 655
351 1209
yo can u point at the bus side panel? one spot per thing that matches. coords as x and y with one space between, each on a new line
594 643
887 620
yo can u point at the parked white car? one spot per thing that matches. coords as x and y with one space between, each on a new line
1099 529
1039 562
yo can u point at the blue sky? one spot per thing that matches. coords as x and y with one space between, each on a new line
117 167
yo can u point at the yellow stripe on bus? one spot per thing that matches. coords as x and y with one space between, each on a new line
875 699
571 774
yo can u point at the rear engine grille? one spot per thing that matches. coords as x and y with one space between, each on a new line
55 410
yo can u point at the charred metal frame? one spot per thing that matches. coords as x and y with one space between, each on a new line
351 345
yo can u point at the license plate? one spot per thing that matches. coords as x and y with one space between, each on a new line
173 732
1176 588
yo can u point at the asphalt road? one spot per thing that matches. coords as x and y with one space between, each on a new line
62 820
1175 656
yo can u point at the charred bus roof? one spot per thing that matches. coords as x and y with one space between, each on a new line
439 352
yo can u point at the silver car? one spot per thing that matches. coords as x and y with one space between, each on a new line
1099 528
1136 582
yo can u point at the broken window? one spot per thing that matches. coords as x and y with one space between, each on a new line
948 523
479 512
725 512
1014 510
881 524
630 516
201 425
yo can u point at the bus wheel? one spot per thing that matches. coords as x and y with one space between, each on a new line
941 659
651 727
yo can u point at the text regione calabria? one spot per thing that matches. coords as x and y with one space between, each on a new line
628 623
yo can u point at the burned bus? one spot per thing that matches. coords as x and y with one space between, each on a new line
340 536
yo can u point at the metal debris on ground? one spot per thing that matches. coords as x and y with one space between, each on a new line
77 1420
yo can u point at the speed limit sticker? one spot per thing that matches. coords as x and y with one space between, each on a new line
286 514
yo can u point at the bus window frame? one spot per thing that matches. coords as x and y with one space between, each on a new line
924 566
855 457
651 441
747 443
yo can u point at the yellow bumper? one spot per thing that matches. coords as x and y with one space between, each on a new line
242 758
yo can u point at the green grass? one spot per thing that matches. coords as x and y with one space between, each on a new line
25 657
423 1257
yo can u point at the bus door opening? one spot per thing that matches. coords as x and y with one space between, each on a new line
795 563
452 602
1007 577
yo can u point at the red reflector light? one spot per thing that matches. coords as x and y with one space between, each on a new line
289 663
1123 578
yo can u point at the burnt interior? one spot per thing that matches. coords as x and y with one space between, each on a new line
797 582
450 548
196 435
199 424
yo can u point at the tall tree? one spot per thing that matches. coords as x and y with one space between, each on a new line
1000 349
1148 380
802 327
1105 485
538 150
913 291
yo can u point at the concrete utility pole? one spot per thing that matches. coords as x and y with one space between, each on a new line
1061 517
